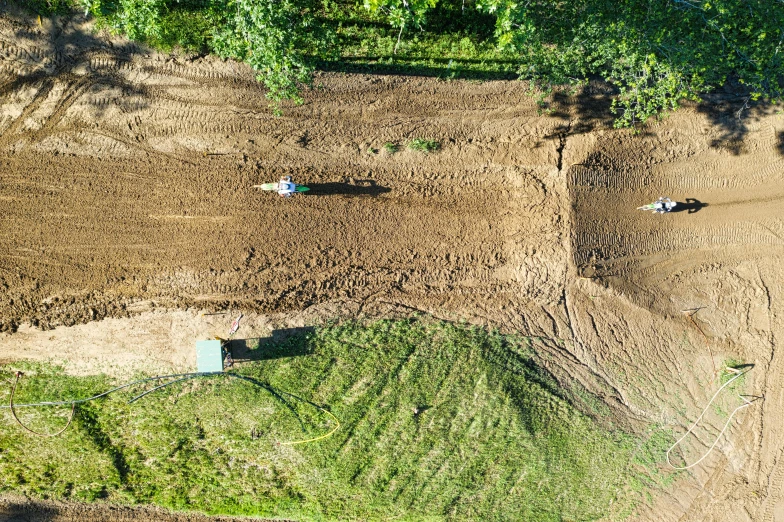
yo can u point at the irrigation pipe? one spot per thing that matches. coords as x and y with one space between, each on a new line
117 388
320 408
746 404
13 413
177 378
165 385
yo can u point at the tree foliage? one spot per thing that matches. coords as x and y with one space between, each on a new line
401 13
656 52
276 38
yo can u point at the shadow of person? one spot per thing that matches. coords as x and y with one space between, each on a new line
353 188
691 206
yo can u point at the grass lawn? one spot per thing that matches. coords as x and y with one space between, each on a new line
436 421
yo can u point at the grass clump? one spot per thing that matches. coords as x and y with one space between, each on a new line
390 147
423 145
48 7
437 421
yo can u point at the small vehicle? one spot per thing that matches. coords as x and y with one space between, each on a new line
285 187
660 206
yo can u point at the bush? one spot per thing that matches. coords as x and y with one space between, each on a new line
423 145
47 7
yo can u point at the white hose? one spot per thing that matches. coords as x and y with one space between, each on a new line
747 403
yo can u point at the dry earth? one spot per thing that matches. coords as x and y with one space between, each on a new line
126 212
20 509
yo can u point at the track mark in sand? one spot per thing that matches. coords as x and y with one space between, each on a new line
36 55
139 144
200 76
773 509
214 219
582 178
606 242
43 91
103 63
68 98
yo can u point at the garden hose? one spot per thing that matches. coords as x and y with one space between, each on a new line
177 378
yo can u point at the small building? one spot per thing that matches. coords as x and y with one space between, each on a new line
209 356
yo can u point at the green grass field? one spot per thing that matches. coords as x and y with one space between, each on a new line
437 421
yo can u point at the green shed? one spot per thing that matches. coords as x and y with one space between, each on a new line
209 356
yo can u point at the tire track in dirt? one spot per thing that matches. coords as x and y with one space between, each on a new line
12 131
718 258
72 92
771 507
135 189
158 117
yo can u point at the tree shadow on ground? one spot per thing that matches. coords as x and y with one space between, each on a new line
733 113
355 188
28 510
588 109
57 50
581 112
780 144
284 342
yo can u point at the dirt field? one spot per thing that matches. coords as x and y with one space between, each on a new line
18 509
127 211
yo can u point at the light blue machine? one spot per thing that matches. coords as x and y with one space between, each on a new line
209 356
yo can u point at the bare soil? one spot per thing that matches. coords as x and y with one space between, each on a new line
127 213
20 509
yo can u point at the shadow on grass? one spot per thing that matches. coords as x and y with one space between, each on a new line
276 395
445 68
87 420
285 342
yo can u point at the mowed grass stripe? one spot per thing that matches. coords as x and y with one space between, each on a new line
494 437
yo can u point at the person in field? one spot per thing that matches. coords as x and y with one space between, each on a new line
662 205
285 187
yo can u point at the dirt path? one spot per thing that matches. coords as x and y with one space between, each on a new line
149 196
19 509
127 210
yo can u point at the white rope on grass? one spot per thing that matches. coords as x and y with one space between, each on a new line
746 404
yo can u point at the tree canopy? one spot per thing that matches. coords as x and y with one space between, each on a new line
655 52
